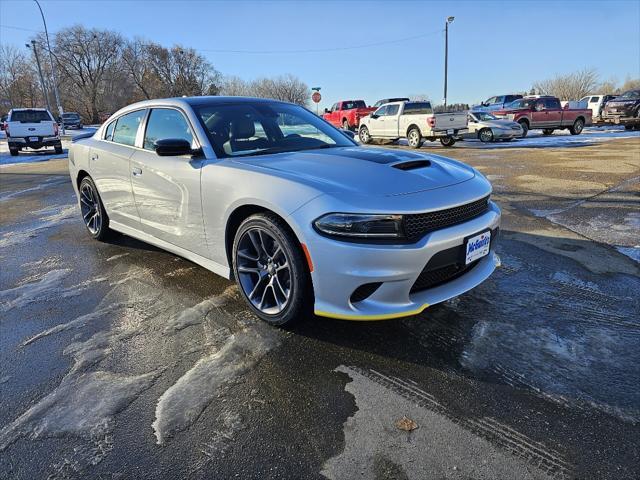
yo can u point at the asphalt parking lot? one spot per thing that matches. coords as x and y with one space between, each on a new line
118 360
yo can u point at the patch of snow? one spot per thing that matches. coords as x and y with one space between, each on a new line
5 379
572 281
181 404
82 405
55 216
196 314
47 183
631 252
31 292
115 257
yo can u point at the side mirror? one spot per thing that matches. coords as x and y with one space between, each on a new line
172 147
374 116
326 110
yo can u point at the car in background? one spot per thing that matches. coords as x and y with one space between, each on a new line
414 121
379 103
489 128
545 112
596 103
3 120
624 109
303 218
70 120
496 103
31 128
347 113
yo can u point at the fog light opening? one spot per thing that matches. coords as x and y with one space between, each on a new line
364 291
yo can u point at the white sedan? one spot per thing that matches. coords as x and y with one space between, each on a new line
489 128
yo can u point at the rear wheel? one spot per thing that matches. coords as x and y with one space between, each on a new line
58 149
629 127
93 213
485 135
271 271
576 128
414 137
364 135
547 131
345 124
449 141
525 128
14 152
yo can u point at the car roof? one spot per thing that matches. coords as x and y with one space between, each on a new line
28 109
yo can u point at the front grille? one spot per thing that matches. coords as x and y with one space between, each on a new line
418 225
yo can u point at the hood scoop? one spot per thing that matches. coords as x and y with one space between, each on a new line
412 165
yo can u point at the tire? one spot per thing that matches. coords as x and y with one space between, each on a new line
345 124
576 128
485 135
58 150
629 127
547 131
507 139
90 204
414 137
364 136
262 246
448 141
14 152
525 128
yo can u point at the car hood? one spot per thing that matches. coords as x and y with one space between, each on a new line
360 170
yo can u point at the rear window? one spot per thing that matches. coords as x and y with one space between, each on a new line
415 108
30 116
353 104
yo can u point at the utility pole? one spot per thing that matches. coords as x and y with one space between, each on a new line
446 55
53 67
44 85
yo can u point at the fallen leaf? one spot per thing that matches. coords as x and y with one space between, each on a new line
406 424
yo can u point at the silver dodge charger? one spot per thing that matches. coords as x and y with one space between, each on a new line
301 216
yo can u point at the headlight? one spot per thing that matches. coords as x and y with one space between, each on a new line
360 225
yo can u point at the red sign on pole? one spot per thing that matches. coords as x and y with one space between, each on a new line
316 97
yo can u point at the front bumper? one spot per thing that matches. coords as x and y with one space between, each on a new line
341 267
500 133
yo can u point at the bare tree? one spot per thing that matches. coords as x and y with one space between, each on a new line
235 87
287 88
419 97
19 86
571 86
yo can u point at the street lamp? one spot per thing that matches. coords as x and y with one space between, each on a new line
446 55
53 67
44 85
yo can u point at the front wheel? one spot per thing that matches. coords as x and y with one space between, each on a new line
270 268
93 213
486 135
58 149
577 127
525 128
414 138
448 141
364 135
14 152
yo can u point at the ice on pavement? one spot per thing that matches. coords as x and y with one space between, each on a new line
31 292
196 314
181 404
53 217
80 405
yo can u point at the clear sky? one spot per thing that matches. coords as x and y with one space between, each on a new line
494 47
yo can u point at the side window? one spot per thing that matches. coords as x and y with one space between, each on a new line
381 111
127 128
166 123
552 104
594 99
491 100
109 132
499 100
392 109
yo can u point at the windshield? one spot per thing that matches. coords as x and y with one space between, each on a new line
261 128
71 116
631 94
483 116
522 103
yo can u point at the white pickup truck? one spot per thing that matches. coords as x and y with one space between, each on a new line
31 128
414 121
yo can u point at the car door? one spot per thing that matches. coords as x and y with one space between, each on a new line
391 121
554 112
109 166
334 116
539 115
377 122
166 189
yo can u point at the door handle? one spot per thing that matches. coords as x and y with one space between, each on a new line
94 157
136 171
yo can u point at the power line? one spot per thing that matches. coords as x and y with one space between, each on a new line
277 52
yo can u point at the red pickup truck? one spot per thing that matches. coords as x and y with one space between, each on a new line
347 114
546 113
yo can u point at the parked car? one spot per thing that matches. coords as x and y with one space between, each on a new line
71 120
546 113
302 217
624 109
379 103
496 103
414 121
596 103
489 128
3 120
31 128
347 114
